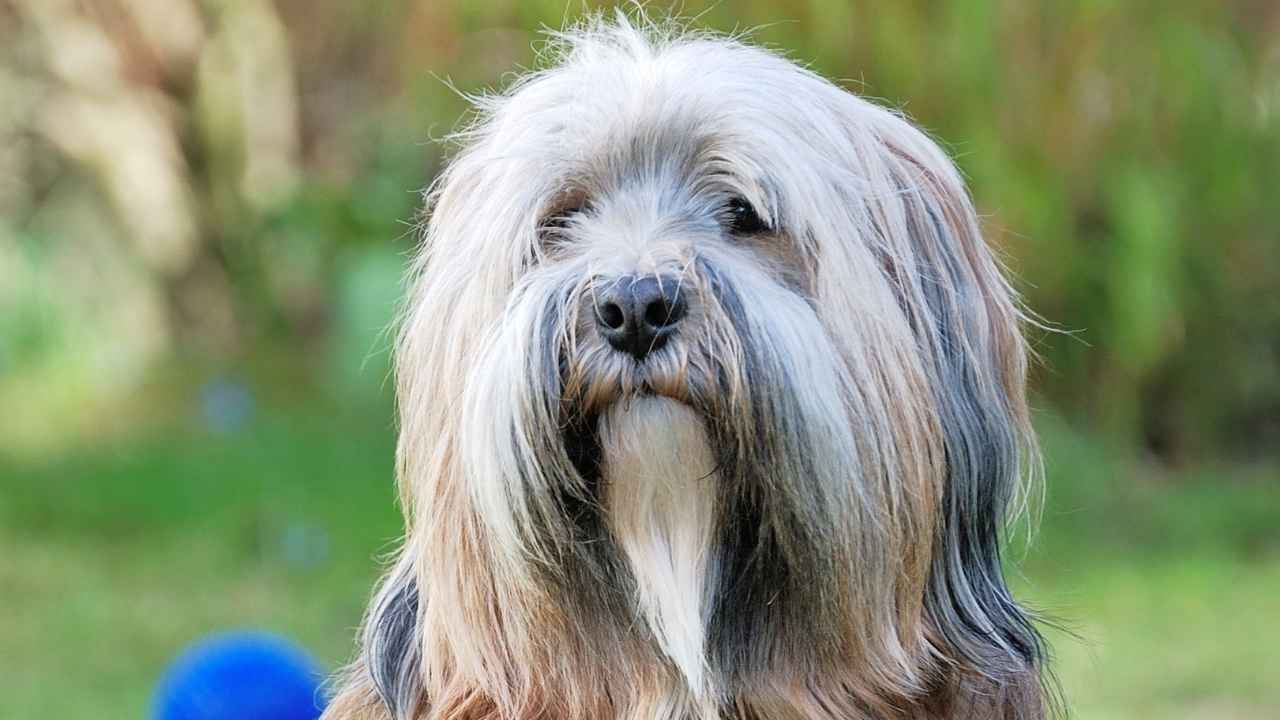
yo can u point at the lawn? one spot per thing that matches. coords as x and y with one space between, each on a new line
114 556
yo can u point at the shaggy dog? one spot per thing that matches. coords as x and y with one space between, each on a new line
711 406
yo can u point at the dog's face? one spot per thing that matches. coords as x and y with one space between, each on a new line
708 381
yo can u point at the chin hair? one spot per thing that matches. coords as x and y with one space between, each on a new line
789 505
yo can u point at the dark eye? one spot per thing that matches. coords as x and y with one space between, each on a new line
743 219
559 220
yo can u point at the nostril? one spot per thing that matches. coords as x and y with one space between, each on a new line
655 314
611 315
663 312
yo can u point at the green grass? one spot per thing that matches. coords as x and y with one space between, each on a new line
113 558
1169 583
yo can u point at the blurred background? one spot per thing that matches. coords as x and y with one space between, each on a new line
205 206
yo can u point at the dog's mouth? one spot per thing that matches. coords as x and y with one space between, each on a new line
593 382
580 431
581 439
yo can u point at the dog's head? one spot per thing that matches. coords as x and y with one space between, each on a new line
710 392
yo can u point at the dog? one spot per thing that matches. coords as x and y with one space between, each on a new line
711 406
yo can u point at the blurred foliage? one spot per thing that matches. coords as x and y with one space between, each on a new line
189 180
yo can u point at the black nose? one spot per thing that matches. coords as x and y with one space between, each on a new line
637 314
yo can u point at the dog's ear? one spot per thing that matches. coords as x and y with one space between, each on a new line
385 680
966 322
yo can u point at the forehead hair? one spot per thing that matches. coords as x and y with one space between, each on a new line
705 111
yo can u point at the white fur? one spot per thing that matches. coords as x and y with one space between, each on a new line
660 497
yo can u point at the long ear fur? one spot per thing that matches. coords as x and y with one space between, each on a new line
966 321
392 651
384 681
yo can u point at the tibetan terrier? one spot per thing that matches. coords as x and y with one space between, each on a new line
711 406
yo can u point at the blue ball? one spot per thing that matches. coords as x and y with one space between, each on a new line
240 676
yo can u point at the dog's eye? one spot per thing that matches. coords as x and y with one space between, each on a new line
559 220
743 219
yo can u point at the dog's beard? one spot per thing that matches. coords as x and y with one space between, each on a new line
660 499
720 490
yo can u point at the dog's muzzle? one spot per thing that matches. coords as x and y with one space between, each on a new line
637 314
